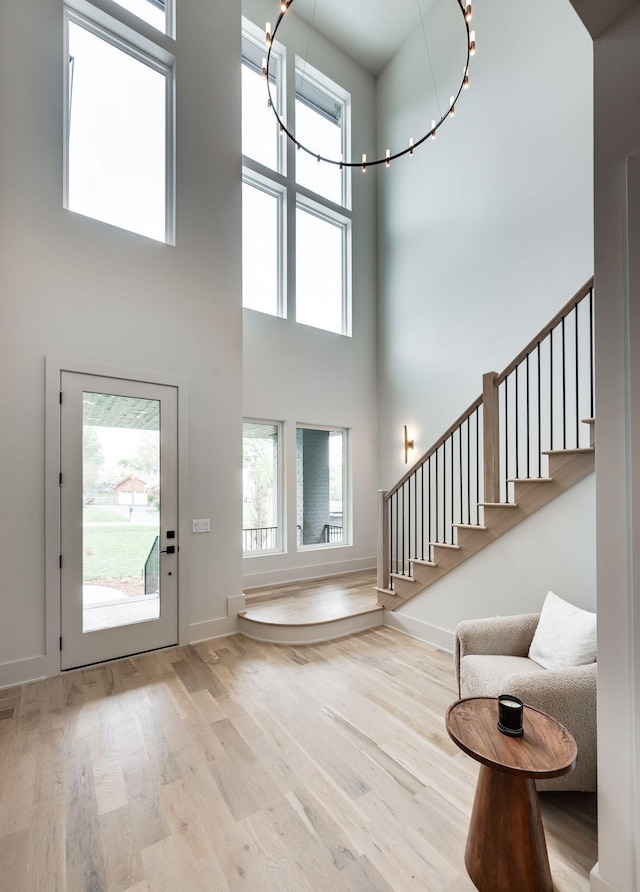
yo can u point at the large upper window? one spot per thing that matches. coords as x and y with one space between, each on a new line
296 219
118 137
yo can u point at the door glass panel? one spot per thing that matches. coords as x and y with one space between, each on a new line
121 510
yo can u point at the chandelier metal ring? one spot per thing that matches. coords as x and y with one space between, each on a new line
285 5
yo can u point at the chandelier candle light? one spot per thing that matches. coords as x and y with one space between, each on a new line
285 6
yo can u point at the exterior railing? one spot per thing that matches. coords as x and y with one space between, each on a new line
332 533
260 539
535 405
151 572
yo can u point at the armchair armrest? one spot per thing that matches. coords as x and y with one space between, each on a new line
507 635
569 695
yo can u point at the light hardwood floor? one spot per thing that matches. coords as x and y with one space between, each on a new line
235 765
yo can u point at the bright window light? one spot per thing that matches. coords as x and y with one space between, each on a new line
151 11
259 127
320 286
261 287
116 136
324 135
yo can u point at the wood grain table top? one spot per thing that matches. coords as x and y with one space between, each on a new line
546 749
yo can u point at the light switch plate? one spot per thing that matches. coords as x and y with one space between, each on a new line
201 526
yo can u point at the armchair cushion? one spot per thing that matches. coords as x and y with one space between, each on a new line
566 635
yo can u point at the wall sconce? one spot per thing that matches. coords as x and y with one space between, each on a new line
408 444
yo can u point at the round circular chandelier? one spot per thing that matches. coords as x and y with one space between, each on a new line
270 35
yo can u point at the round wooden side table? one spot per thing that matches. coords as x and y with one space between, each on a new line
506 849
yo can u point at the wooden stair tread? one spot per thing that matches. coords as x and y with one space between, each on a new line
445 545
584 450
423 563
470 526
530 480
407 578
498 504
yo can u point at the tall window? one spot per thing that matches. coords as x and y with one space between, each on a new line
321 486
261 523
118 158
296 218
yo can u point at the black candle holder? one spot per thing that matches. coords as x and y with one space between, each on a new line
510 710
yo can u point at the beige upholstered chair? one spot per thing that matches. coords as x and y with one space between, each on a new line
491 659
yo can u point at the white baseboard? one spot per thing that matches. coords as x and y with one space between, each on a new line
23 672
416 628
218 628
598 884
268 578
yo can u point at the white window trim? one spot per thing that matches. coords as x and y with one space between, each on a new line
297 195
271 187
347 530
154 56
341 97
280 514
277 66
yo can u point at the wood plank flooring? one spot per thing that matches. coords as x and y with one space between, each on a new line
314 601
234 765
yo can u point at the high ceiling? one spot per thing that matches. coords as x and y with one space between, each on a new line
370 31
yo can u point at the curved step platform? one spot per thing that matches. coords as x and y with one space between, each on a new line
309 613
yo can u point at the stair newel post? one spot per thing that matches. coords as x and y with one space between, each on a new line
491 437
383 540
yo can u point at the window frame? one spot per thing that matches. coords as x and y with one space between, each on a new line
341 97
297 194
253 35
344 224
138 47
280 490
347 535
273 188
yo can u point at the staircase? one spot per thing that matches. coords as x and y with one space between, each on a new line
528 438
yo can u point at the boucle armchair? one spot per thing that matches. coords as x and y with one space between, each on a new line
491 658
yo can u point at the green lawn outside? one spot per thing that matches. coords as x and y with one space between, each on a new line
100 515
116 552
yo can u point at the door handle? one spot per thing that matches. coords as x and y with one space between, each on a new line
170 549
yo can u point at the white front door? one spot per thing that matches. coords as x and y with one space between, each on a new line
119 518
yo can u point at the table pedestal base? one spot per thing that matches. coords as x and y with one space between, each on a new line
506 849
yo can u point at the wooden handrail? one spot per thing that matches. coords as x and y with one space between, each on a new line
548 328
432 449
568 307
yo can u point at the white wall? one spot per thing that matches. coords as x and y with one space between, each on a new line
514 573
67 283
487 231
294 373
617 237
